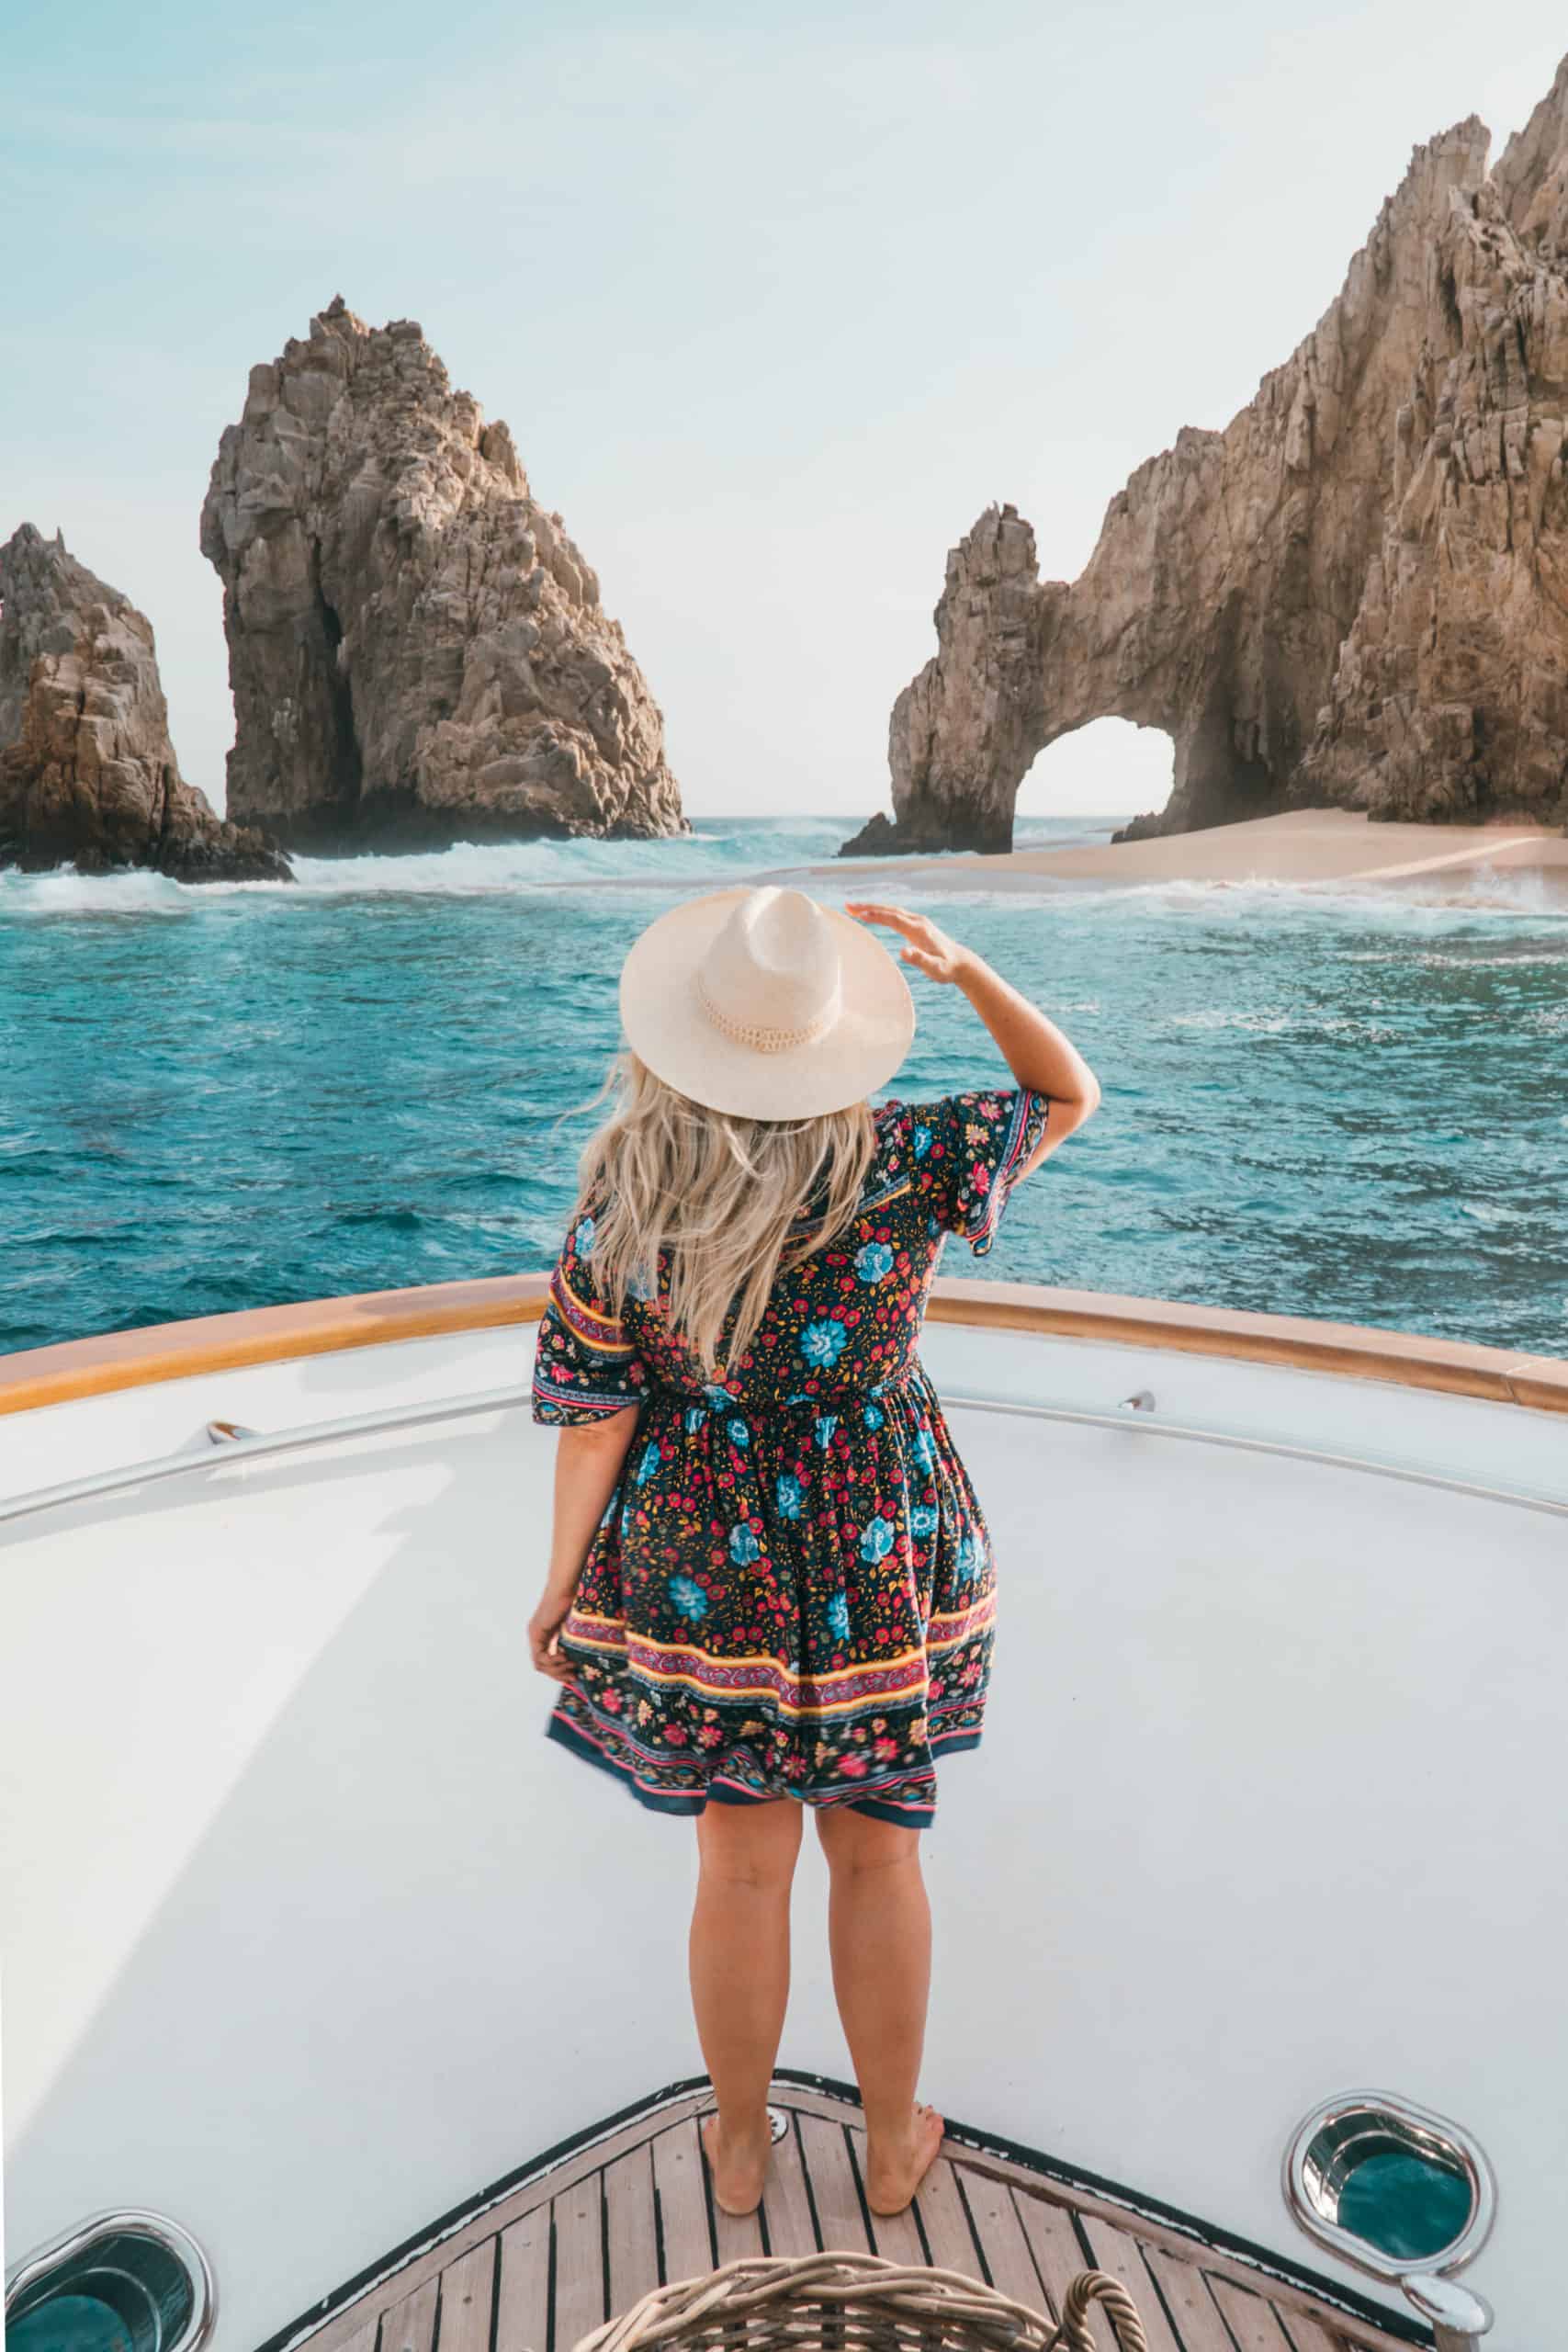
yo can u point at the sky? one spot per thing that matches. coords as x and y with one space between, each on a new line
776 300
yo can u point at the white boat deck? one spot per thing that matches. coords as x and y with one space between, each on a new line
307 1944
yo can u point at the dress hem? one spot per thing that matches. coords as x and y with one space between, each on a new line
909 1817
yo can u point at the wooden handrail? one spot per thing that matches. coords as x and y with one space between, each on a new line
1354 1350
377 1318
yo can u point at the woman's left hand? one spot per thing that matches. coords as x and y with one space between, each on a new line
543 1626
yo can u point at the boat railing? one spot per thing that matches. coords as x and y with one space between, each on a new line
222 1445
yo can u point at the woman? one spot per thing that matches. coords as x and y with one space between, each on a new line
771 1584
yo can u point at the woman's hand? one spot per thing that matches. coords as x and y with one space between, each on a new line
928 949
543 1626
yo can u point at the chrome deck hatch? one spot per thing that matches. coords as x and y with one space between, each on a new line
123 2282
1402 2193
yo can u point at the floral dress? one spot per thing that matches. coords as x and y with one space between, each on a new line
791 1590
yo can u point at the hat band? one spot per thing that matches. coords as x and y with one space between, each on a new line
757 1033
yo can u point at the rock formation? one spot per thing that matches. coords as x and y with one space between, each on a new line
1356 595
417 650
87 773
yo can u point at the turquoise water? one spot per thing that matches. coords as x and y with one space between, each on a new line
70 2323
1405 2205
1337 1104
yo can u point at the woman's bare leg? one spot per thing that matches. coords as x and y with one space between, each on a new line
740 1959
879 1933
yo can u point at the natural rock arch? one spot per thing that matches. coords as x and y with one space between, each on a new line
1356 593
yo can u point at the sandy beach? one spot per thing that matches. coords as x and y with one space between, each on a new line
1305 846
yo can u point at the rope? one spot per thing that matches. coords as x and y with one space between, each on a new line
1074 2332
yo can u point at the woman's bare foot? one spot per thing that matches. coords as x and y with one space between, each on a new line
894 2170
737 2169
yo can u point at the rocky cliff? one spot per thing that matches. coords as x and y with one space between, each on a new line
417 649
87 773
1356 595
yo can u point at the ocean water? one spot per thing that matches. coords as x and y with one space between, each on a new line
1336 1102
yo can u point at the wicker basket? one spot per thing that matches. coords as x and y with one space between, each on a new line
856 2302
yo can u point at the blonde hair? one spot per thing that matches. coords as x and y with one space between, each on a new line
719 1193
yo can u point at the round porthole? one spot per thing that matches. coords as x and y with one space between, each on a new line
119 2282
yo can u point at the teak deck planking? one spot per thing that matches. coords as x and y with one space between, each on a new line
573 2247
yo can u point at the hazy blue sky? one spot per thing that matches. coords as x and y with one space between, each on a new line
774 299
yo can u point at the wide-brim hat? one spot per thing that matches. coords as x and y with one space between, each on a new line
757 1001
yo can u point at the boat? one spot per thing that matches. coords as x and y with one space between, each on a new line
343 2011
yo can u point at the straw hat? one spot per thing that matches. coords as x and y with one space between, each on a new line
758 1002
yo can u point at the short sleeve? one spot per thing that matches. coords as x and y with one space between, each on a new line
585 1364
968 1151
